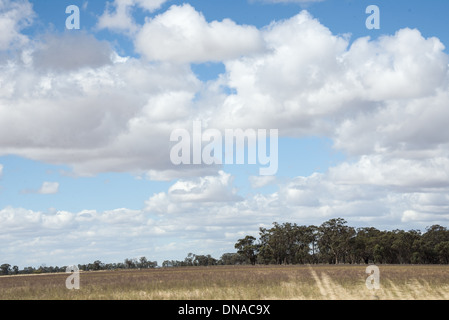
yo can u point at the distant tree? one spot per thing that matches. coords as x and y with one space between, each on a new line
334 240
97 265
433 236
28 270
15 270
129 263
274 244
402 244
145 264
287 243
110 266
200 260
227 258
282 242
364 244
5 269
232 259
442 250
304 244
248 248
265 249
166 264
189 260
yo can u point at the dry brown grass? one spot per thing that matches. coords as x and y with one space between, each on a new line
322 282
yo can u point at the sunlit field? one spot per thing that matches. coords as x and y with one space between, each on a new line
322 282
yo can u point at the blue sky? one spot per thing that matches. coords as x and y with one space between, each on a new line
86 117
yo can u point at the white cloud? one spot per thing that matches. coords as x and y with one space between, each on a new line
14 16
49 188
15 220
189 192
399 128
59 220
116 114
122 216
120 18
296 88
97 118
400 173
388 68
314 91
150 5
205 189
182 35
1 170
84 50
175 173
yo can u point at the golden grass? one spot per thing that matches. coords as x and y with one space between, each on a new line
317 282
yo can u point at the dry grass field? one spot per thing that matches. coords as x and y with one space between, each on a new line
322 282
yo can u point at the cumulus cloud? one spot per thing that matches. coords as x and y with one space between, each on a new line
71 51
182 35
314 91
116 114
118 15
205 189
399 128
208 189
14 17
114 117
406 174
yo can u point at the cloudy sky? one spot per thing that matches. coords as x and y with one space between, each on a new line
86 116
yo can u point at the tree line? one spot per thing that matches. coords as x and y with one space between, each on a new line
332 242
97 265
335 242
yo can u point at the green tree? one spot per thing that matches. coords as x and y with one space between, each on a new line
232 259
143 263
442 250
334 240
130 263
248 248
403 244
189 260
15 270
434 235
5 269
304 244
364 244
97 265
